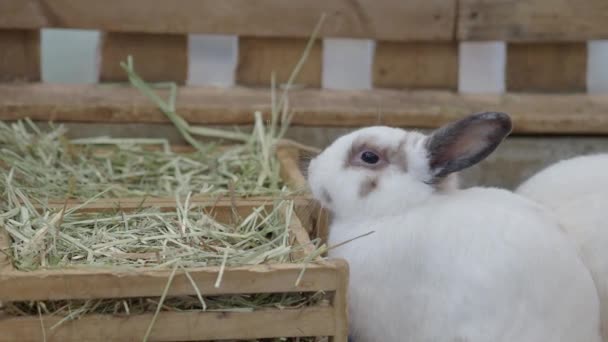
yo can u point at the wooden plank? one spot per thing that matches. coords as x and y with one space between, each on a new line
174 326
219 211
532 20
416 65
290 171
168 202
322 224
531 113
340 305
6 264
299 238
260 57
19 55
219 204
157 57
386 19
83 283
547 67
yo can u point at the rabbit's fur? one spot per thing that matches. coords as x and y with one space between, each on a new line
444 264
576 190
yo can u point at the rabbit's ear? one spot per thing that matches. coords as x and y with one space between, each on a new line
465 142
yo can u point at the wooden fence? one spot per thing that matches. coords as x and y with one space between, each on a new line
415 67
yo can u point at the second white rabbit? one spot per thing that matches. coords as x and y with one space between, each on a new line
576 191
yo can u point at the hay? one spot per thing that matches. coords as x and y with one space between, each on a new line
47 165
149 237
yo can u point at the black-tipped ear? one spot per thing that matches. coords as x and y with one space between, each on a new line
466 142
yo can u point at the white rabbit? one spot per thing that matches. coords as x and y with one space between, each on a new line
443 264
576 190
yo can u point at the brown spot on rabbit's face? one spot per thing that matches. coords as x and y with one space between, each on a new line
369 185
365 153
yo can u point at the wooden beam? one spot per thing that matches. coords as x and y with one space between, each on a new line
381 19
6 264
260 57
340 304
157 57
416 65
19 55
98 283
174 326
547 67
531 113
533 20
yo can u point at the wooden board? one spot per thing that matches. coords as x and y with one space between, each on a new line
290 171
260 57
19 55
531 113
176 326
120 283
381 19
157 57
340 305
416 65
547 67
533 20
6 264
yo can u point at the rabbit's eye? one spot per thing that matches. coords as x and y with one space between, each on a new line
369 157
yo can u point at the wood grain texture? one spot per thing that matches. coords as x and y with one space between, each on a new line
6 264
382 19
299 238
340 305
174 326
533 20
531 113
85 283
260 57
416 65
19 55
547 67
157 57
290 171
295 180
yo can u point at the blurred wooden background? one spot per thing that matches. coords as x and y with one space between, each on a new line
415 63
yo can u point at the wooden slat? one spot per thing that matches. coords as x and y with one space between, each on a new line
6 264
416 65
157 57
220 205
547 67
174 326
290 172
531 113
259 57
533 20
322 221
132 202
340 305
19 55
85 283
300 238
386 19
